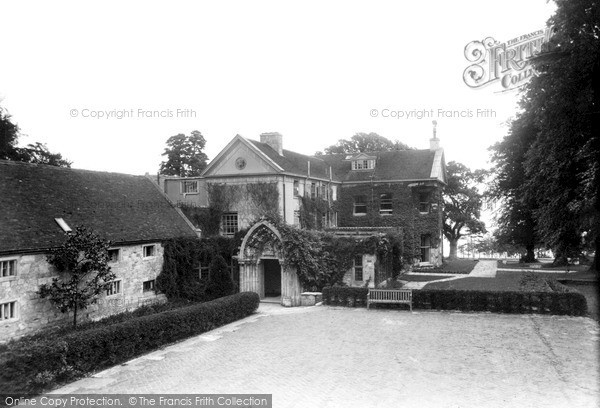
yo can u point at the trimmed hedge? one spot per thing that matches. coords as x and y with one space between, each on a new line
566 303
33 367
569 303
345 296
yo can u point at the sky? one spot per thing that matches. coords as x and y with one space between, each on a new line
315 71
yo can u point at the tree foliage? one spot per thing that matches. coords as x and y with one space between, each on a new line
560 182
34 153
364 142
462 204
83 262
185 155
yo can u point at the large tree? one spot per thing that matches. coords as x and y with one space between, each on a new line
561 165
364 142
185 156
462 204
516 222
33 153
82 262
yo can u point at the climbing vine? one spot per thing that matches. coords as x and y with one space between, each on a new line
322 259
252 198
312 210
183 257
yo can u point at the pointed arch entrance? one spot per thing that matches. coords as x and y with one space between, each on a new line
262 266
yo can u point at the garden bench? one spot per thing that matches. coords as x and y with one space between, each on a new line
390 296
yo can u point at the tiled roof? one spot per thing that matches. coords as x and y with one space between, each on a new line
119 207
391 165
295 163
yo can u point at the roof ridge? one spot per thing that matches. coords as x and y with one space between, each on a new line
60 168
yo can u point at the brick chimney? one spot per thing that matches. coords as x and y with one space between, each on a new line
434 142
273 139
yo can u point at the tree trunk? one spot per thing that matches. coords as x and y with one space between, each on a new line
75 316
453 248
596 264
529 256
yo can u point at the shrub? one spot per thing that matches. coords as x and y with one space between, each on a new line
31 367
220 283
345 296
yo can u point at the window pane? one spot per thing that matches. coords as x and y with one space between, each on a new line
229 223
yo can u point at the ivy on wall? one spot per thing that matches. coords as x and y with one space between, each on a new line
180 274
253 198
312 211
322 259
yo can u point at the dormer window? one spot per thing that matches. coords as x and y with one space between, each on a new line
363 164
362 161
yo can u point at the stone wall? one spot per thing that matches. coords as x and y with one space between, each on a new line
34 313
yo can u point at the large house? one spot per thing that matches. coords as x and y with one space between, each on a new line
355 194
39 204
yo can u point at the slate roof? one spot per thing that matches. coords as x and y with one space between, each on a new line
395 165
119 207
295 163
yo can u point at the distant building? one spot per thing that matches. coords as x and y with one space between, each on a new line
38 203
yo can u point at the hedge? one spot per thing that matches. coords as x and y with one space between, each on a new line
345 296
31 367
566 303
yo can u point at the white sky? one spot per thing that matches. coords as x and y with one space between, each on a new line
311 70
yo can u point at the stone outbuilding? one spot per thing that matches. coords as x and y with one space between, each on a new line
39 204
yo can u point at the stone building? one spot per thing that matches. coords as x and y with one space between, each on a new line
357 194
39 204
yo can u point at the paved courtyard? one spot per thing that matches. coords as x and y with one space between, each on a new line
341 357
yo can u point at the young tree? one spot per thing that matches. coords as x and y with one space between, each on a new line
220 283
185 156
364 142
83 262
462 204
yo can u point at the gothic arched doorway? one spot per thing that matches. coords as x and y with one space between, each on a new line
262 267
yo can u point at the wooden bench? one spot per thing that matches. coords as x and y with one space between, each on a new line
390 296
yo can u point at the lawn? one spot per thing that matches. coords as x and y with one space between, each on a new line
543 265
451 266
504 281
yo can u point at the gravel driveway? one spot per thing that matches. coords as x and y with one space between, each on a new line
342 357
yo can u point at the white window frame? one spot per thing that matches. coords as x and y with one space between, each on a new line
363 164
227 227
3 309
296 188
425 204
365 204
144 251
356 267
185 185
118 255
15 268
387 202
115 283
426 249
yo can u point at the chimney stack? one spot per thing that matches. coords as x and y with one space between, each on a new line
434 142
273 139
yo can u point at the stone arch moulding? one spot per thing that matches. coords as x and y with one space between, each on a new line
252 269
